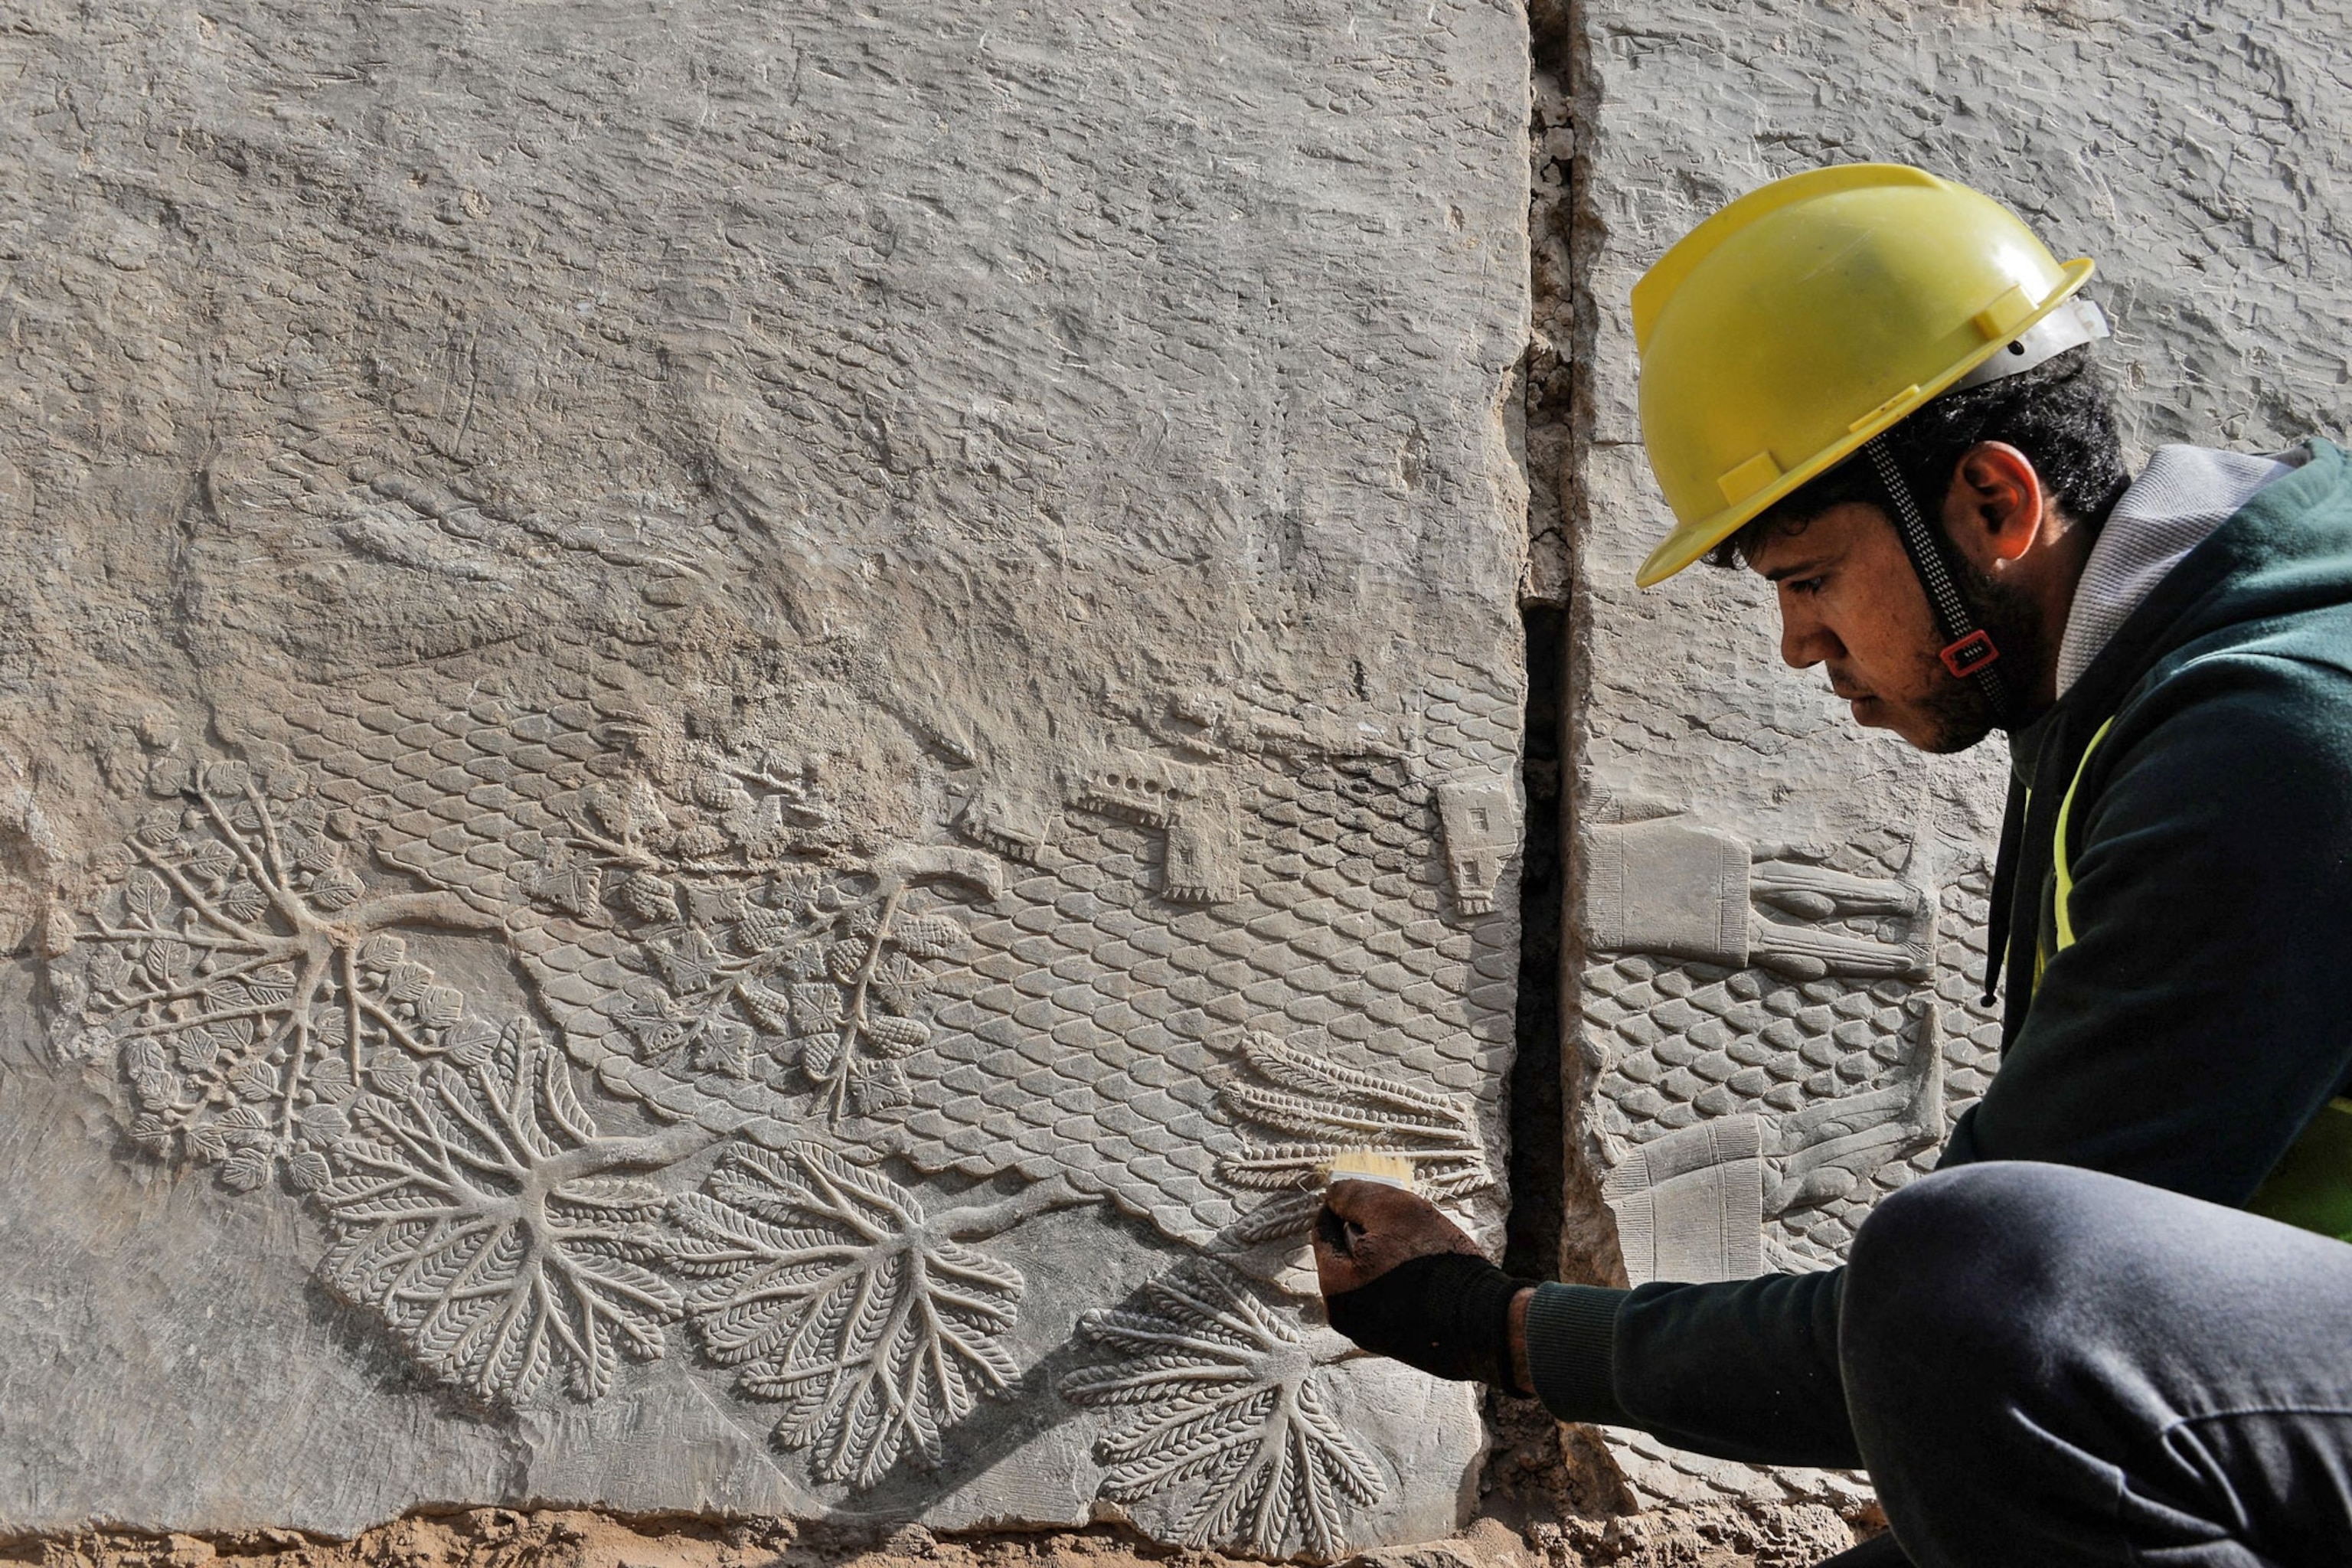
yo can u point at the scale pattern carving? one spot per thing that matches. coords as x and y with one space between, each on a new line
736 956
1073 1039
1686 1042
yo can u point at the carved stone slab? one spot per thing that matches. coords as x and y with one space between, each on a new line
739 736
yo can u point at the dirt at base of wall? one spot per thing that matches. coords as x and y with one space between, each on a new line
1551 1499
553 1537
1703 1537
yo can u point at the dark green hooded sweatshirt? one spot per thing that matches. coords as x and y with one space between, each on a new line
2194 1027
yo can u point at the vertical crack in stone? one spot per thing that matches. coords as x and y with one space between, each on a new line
1539 1147
1538 1130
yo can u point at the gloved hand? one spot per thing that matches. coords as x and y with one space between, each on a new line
1402 1280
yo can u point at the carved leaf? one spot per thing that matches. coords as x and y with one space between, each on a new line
899 982
824 1286
815 1009
254 1081
406 981
197 1050
168 962
687 961
440 1006
336 889
246 1171
242 900
877 1084
446 1224
271 985
1221 1394
1320 1108
108 970
144 894
212 860
569 882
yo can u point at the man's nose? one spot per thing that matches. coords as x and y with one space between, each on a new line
1804 641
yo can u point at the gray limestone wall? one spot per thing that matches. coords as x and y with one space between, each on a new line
730 735
1778 917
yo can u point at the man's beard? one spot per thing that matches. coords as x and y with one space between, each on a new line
1956 707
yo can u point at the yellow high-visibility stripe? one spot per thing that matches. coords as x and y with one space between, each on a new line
2065 893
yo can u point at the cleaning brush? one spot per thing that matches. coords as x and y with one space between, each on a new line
1371 1166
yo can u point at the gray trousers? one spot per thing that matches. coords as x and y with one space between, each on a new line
2050 1367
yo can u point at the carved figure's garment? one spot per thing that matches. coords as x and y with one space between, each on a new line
2197 1020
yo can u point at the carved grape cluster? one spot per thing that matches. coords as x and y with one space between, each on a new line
633 854
828 979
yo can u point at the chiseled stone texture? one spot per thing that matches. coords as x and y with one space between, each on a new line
731 733
2180 153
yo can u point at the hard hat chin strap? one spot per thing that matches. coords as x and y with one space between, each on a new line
1969 651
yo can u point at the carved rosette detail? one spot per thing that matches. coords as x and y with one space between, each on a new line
482 1219
249 982
1220 1396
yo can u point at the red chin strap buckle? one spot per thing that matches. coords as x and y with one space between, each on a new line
1971 653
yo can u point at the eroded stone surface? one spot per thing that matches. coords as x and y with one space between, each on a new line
732 735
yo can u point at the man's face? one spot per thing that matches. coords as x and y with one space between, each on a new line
1851 601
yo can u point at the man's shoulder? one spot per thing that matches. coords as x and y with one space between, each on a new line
2264 714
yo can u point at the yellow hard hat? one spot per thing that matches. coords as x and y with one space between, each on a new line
1808 316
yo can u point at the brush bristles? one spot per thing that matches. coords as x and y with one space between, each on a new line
1370 1165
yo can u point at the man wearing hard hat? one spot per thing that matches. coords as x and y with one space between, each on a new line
2115 1325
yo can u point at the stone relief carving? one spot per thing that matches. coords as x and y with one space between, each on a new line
1777 1037
1481 829
1668 887
1315 1109
246 979
1692 1204
1784 1039
481 1217
1228 1402
1175 996
827 1287
688 608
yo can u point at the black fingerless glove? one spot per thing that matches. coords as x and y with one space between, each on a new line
1447 1313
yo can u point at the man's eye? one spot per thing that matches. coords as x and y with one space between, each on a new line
1806 584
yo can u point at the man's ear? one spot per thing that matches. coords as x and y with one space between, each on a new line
1995 507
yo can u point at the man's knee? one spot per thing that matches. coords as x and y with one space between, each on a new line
1948 1276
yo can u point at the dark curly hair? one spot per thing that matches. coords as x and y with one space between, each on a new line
2061 414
